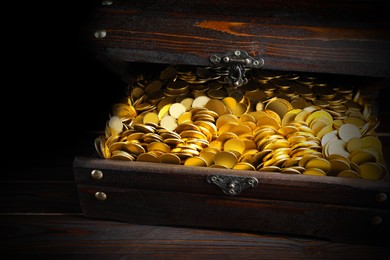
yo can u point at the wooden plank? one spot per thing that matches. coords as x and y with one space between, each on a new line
64 237
338 223
39 197
347 37
155 176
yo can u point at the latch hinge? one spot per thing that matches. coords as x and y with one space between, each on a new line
236 61
232 185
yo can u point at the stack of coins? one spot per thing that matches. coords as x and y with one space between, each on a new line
277 122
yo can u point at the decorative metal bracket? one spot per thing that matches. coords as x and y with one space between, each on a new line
232 185
236 61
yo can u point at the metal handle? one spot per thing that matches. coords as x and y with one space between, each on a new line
232 185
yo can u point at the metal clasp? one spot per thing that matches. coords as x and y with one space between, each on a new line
236 61
232 185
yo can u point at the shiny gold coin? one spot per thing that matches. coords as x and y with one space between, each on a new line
169 158
158 146
269 121
240 109
244 166
349 131
319 114
241 129
226 158
280 106
226 136
208 157
168 122
148 157
354 144
371 171
122 155
286 130
217 106
363 155
226 118
186 126
319 163
185 118
200 101
348 174
338 165
234 144
314 172
144 128
195 161
270 169
290 171
192 134
230 103
134 148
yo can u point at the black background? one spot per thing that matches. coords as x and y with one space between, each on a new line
53 91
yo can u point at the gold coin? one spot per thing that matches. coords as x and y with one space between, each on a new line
208 156
185 118
268 120
320 114
240 109
290 171
241 129
195 161
370 170
176 110
338 165
122 155
244 166
148 157
134 148
226 118
225 158
234 144
200 101
230 103
217 106
169 158
158 146
270 169
280 106
186 126
363 155
348 174
349 131
168 122
354 144
319 163
144 128
314 172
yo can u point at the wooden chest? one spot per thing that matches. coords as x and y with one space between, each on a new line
345 40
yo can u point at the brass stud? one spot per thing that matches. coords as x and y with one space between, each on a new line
376 220
107 2
100 195
381 197
100 34
96 174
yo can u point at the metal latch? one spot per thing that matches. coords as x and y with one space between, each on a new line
236 61
232 185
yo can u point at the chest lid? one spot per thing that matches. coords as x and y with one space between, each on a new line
346 37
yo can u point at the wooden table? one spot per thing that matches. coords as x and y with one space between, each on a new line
41 217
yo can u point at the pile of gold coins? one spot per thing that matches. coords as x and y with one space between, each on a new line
278 122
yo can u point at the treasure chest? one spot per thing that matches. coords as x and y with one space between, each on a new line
258 116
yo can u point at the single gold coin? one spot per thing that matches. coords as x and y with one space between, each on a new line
363 155
234 144
270 169
151 117
148 157
348 174
195 161
370 170
122 155
158 146
169 158
354 144
319 163
244 166
168 122
134 148
349 131
314 172
225 158
338 165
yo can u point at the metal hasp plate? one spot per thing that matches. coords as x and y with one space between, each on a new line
232 185
236 61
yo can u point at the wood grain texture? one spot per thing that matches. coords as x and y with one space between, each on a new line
343 37
75 237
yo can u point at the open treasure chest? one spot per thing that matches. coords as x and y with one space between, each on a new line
258 116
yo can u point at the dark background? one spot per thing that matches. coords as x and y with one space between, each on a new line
54 93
